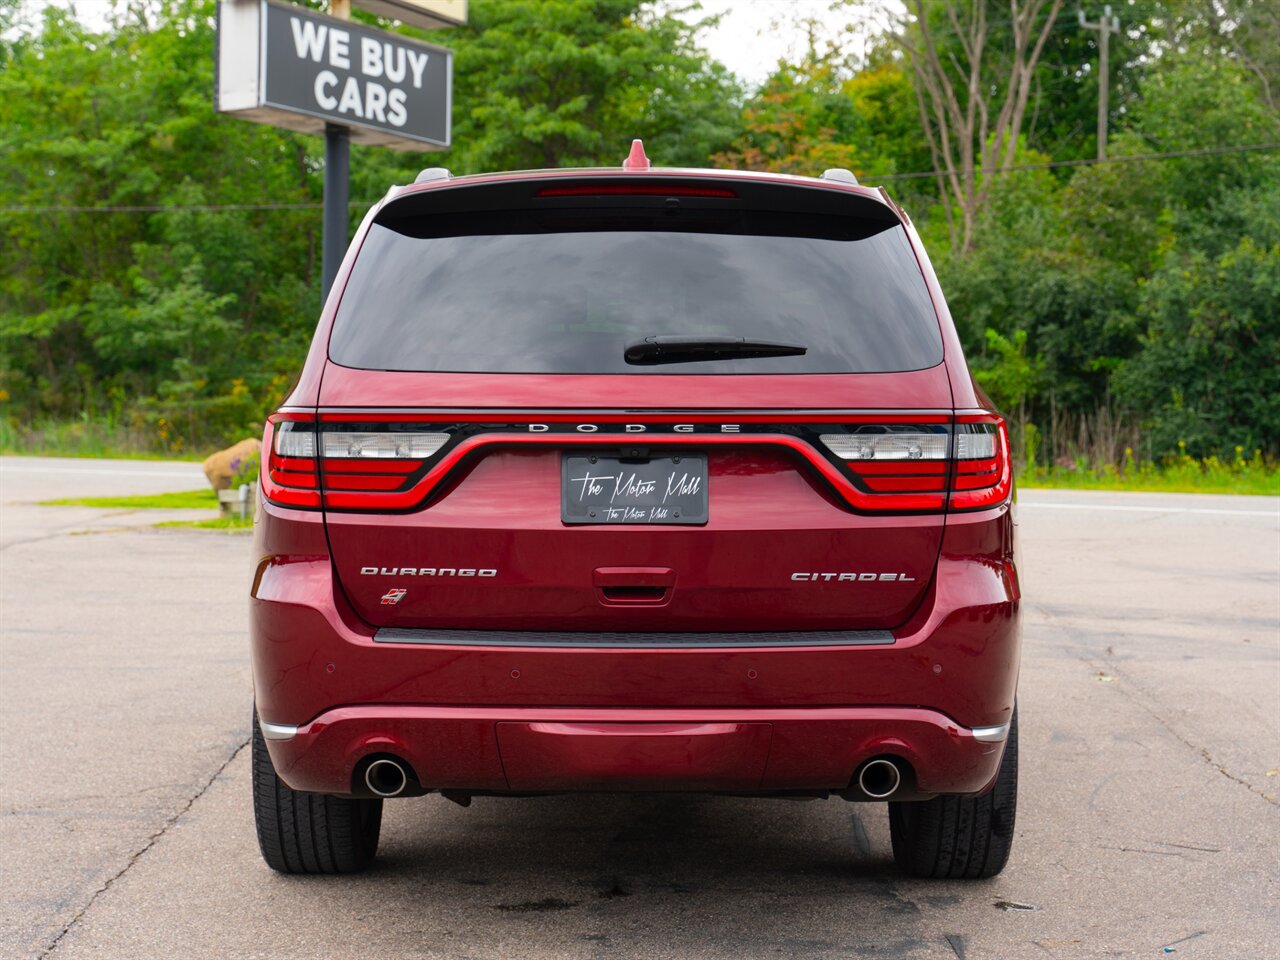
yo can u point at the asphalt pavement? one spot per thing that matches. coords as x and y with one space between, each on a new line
1148 820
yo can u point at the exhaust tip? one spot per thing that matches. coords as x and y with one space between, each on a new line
386 778
879 779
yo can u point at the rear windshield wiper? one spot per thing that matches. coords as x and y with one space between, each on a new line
689 349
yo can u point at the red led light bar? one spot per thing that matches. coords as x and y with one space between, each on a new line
875 486
636 189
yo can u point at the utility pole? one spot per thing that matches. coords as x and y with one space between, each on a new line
1106 26
337 167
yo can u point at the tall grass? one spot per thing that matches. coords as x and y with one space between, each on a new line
91 437
1068 439
1104 450
1180 474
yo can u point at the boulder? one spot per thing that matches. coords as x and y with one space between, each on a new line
223 465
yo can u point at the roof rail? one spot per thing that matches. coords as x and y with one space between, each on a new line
433 173
840 175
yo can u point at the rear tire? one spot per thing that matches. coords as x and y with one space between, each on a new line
309 832
959 837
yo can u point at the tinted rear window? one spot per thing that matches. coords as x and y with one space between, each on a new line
566 291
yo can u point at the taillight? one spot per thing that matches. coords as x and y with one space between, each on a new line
983 465
921 466
887 463
366 460
380 445
887 444
905 464
289 474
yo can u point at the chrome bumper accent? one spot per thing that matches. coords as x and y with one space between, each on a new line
278 731
991 734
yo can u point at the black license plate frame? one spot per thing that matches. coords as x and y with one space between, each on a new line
608 489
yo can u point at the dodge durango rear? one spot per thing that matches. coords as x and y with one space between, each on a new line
636 480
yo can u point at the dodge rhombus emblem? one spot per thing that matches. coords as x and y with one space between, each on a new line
394 596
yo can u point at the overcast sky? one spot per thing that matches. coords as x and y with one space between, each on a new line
754 34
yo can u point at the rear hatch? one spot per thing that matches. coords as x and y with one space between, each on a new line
600 404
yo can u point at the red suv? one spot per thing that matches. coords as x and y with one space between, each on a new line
636 480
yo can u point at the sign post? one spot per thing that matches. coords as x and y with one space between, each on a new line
337 183
292 67
337 186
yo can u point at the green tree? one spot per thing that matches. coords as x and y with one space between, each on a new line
97 308
972 92
550 83
189 321
1206 375
801 121
822 113
1062 115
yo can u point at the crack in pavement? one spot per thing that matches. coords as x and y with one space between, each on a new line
1231 776
70 529
1129 685
151 842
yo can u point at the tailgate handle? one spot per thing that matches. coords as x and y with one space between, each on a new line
634 577
633 585
634 594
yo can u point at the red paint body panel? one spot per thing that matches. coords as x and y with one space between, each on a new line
966 625
768 520
957 657
770 750
528 719
702 755
916 389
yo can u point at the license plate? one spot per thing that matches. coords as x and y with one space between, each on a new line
660 490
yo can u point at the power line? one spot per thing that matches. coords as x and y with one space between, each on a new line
1087 162
172 208
918 175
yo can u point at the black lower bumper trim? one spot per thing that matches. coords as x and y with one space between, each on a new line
626 641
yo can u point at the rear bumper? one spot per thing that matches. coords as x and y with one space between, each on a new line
790 716
487 749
